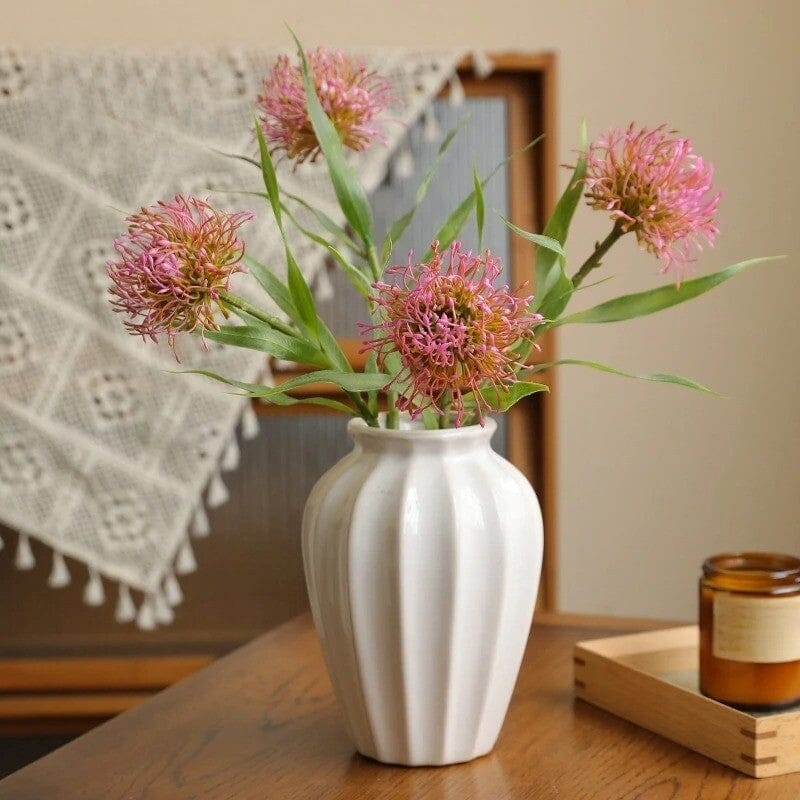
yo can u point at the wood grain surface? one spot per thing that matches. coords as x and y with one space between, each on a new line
261 723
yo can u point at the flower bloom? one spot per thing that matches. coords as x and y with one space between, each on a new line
654 184
174 261
452 328
351 95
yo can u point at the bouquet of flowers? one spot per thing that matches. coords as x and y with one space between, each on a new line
446 344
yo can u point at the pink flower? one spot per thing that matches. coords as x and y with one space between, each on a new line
174 261
351 95
453 330
654 184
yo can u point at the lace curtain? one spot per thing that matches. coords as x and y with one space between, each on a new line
105 457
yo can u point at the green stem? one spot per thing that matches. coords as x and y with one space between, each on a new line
374 264
363 409
269 319
392 414
600 249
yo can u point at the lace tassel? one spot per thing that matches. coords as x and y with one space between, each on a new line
126 610
200 526
230 458
217 491
162 610
250 423
185 562
172 590
146 618
457 94
403 165
24 559
59 574
431 130
2 545
481 64
93 594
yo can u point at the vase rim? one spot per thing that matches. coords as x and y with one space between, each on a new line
415 432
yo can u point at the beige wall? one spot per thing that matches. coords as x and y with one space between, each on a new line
651 478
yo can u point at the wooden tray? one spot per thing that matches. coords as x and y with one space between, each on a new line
651 679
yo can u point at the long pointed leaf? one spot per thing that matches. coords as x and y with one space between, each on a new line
274 287
338 233
644 303
552 285
503 399
400 226
456 221
357 278
275 395
269 176
479 206
539 239
269 341
657 377
349 192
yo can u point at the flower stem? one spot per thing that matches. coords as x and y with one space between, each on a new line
392 414
269 319
600 249
372 259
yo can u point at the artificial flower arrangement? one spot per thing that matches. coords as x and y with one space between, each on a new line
446 344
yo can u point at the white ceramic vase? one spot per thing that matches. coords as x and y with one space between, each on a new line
422 554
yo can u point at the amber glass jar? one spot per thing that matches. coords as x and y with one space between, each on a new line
750 630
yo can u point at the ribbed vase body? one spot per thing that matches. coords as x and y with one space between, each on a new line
422 553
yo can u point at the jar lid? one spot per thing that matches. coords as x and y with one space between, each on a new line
754 572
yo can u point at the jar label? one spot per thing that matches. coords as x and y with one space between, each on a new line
757 630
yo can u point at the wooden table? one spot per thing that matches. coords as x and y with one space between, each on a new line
262 723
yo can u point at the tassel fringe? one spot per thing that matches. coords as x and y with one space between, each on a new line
185 562
217 491
172 590
250 423
93 593
230 458
24 559
200 526
126 610
457 93
431 130
59 574
403 166
146 618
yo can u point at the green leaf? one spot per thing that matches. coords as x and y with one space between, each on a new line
332 350
657 377
479 206
357 278
301 294
349 381
269 341
552 284
455 222
644 303
272 395
269 176
503 399
540 240
338 233
274 287
349 192
399 226
326 402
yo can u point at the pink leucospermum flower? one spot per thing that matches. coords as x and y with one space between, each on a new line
351 94
653 183
452 328
174 261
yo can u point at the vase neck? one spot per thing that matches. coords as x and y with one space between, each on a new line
471 438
